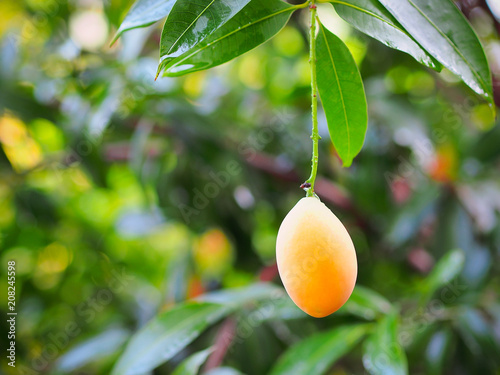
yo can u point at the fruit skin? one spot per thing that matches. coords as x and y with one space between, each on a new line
316 258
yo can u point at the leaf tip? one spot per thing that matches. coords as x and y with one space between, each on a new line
158 72
346 163
161 66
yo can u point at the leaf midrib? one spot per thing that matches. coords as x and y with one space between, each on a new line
370 14
476 74
189 27
232 33
340 89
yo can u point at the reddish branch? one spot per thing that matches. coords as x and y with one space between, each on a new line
268 273
222 343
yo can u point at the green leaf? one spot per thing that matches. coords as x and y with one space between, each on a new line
366 304
342 95
173 330
259 21
479 337
116 10
166 335
448 267
193 363
91 350
373 19
144 13
440 28
383 355
317 353
438 351
282 309
237 296
190 22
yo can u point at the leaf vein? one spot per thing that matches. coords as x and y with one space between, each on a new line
340 90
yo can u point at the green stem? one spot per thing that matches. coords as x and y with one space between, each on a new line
314 99
303 5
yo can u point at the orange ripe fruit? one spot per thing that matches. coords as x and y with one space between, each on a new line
445 164
213 253
316 258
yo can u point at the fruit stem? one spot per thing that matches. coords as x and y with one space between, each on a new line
314 99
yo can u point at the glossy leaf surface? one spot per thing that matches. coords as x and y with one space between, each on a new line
144 13
342 95
190 22
383 355
371 18
192 364
259 21
440 28
317 353
166 335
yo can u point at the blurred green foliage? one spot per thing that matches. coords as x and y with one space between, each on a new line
122 197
